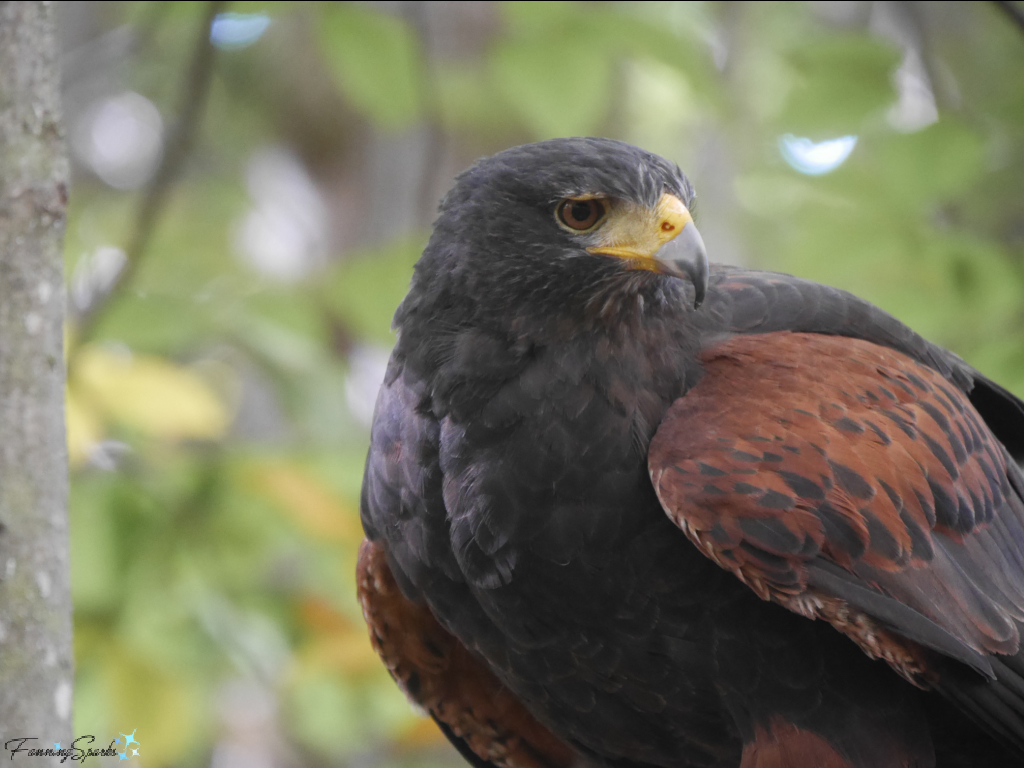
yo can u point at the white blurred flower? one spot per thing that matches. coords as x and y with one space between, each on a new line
94 275
284 234
121 139
916 108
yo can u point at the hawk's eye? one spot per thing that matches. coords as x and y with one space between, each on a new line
581 215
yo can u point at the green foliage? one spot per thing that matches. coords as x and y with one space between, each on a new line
375 59
366 290
838 84
217 447
557 66
560 86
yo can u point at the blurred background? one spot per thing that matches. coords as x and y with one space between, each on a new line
252 185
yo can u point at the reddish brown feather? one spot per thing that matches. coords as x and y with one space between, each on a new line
783 745
440 675
802 447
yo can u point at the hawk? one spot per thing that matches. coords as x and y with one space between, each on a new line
623 508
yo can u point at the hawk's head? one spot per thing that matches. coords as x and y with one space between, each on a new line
540 223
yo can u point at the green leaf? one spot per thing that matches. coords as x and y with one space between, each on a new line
532 17
466 101
367 288
660 105
326 715
938 162
94 556
375 60
561 87
770 195
841 82
557 67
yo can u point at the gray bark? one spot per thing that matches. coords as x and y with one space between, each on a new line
36 665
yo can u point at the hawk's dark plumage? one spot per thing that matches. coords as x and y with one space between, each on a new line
528 583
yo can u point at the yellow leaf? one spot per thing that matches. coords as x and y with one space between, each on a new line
320 616
349 653
307 501
150 394
84 425
337 643
163 709
421 732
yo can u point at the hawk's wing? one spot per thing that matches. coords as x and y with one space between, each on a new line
753 302
479 715
856 483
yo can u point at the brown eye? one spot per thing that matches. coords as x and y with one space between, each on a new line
580 214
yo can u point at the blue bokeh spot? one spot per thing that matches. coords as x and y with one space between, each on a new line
231 31
815 158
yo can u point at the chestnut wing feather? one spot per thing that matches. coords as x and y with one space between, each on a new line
846 481
479 715
751 301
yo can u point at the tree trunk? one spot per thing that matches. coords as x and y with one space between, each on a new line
35 602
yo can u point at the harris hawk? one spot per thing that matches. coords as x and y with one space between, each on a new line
626 509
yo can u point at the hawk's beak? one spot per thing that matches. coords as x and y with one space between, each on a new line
664 240
685 256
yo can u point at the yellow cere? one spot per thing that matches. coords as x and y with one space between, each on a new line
636 233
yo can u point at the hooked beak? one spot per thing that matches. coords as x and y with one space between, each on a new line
686 256
664 240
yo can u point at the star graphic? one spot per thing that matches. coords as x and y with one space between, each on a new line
122 755
135 752
56 745
129 740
